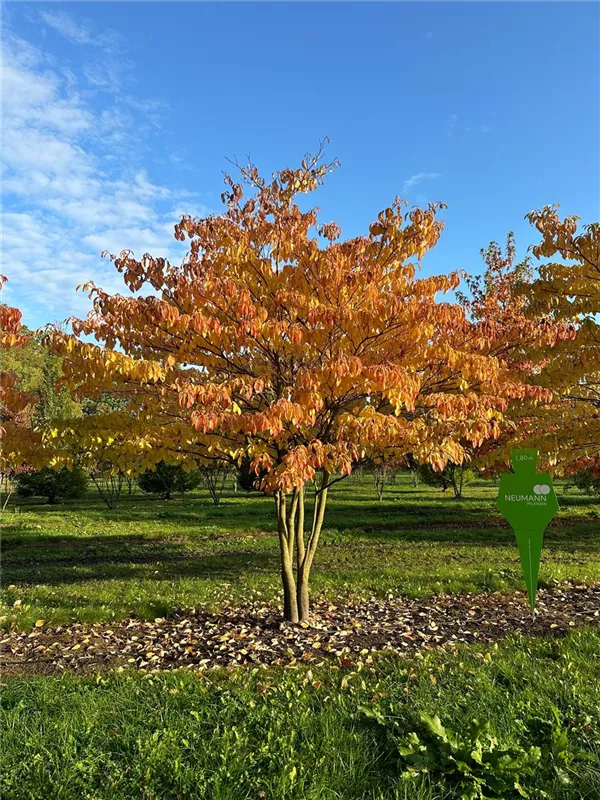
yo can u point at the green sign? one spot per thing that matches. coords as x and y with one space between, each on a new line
527 500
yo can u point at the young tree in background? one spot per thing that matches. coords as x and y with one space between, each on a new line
168 479
525 342
20 444
568 292
214 475
12 335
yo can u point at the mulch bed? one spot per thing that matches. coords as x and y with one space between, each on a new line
257 635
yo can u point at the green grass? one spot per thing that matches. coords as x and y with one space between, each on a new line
292 733
287 733
80 561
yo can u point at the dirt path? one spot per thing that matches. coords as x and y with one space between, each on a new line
257 635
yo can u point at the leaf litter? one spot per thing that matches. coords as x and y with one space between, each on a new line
255 634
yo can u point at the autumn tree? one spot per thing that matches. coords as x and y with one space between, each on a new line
526 342
568 291
277 341
13 401
20 444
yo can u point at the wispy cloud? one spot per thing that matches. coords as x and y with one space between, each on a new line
105 72
418 178
429 35
78 31
485 129
73 187
451 124
64 24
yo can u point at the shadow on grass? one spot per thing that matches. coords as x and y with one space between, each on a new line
112 563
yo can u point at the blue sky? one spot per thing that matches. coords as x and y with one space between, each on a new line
118 117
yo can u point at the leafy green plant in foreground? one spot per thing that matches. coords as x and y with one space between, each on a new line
475 765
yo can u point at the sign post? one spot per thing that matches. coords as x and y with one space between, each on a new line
527 500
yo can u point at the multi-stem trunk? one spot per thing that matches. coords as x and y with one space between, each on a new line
294 541
286 524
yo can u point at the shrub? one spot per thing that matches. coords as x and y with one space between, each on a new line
452 476
168 479
54 485
247 478
585 480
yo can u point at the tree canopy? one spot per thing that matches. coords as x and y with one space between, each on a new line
277 341
278 344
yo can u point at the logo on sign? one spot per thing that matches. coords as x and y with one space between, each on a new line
540 494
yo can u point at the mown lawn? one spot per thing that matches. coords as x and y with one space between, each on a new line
149 557
295 733
301 732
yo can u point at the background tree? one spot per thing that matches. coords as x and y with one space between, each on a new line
568 292
587 479
383 468
213 476
247 478
20 444
55 403
108 483
53 484
37 371
12 337
168 479
276 342
381 475
453 476
31 404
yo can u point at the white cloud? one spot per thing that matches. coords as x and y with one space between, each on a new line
107 74
418 178
451 124
79 31
61 22
71 185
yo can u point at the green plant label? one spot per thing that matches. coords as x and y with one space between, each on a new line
527 500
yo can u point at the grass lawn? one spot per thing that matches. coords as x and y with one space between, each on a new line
301 734
150 557
314 731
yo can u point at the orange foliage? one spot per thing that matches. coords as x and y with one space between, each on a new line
12 402
566 295
275 339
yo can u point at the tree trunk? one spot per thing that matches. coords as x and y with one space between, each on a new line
286 549
306 551
7 496
458 485
292 542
